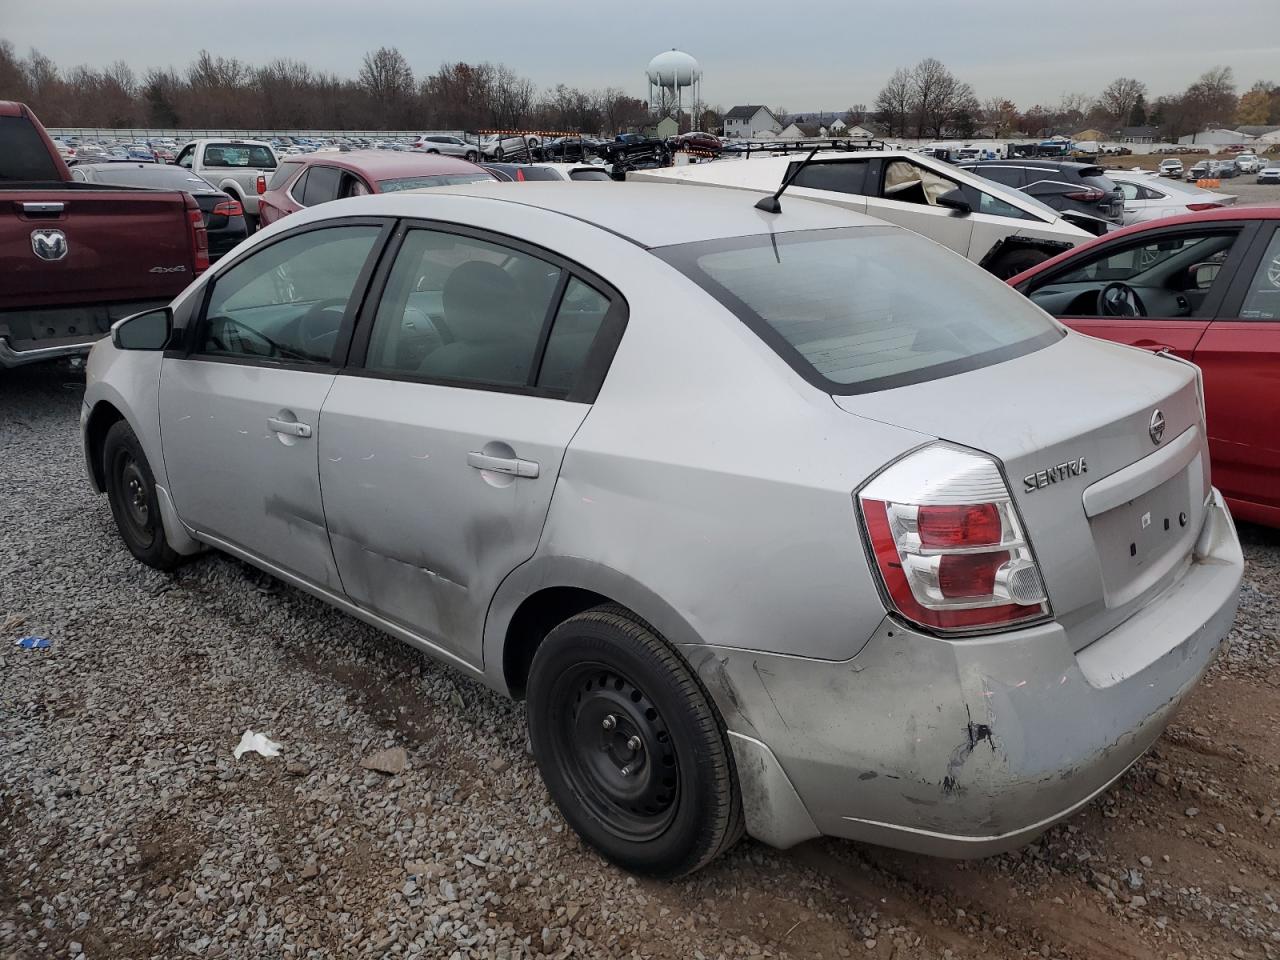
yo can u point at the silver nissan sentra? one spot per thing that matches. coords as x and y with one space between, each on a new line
792 522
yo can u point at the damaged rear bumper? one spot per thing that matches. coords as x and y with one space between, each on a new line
966 748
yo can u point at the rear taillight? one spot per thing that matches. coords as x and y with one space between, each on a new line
948 544
1088 195
261 184
228 208
1202 206
199 240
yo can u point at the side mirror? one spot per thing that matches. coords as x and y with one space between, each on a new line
143 331
955 200
1203 275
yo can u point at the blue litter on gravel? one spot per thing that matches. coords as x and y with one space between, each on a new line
34 643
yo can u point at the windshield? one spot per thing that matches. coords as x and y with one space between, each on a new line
868 308
440 180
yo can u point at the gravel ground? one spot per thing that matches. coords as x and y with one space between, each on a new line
127 830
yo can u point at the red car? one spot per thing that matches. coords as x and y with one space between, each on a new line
319 177
1207 288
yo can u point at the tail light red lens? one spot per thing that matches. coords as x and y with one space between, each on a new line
946 564
1087 195
1202 206
958 526
261 184
199 240
228 208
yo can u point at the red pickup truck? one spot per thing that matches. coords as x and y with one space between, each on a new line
76 257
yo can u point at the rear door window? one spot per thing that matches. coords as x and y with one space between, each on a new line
322 185
861 309
1009 176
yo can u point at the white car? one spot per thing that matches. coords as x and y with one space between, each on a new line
1270 173
576 172
496 148
233 166
447 146
1248 162
1147 197
1171 168
1000 228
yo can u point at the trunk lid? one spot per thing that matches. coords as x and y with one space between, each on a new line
120 245
1111 514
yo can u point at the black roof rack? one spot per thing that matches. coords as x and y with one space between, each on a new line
840 144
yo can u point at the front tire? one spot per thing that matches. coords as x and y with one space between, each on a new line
631 746
131 491
471 155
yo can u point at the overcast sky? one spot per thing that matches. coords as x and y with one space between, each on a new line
800 54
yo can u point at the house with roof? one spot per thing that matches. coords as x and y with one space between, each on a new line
1215 138
803 131
753 120
1146 134
1089 136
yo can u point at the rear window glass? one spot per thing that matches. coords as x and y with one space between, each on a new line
862 309
440 180
239 155
153 175
282 174
589 175
23 154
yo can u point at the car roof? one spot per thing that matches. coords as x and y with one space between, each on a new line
648 214
390 164
748 174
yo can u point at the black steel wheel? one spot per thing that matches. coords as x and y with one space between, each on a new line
631 746
131 491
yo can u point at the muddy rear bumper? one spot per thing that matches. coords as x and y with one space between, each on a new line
971 747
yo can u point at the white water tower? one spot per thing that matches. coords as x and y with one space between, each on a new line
670 74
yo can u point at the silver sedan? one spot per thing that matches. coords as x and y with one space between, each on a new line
792 522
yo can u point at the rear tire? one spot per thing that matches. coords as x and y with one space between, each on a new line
631 746
131 491
1015 261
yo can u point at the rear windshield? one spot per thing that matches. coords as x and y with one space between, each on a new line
152 175
239 155
439 180
23 153
589 175
860 309
283 172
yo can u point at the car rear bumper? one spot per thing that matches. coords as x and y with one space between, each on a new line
970 747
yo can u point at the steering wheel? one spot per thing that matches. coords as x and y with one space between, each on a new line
316 329
1120 300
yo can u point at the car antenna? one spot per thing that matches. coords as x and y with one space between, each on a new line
771 204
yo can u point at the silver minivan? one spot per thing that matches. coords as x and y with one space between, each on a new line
793 522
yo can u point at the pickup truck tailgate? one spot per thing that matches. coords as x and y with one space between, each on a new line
119 245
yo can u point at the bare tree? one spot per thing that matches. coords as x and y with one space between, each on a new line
894 101
385 75
1120 97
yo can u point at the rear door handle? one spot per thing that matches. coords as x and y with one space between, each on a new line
512 466
1152 345
292 427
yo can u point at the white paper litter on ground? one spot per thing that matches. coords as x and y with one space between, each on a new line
258 742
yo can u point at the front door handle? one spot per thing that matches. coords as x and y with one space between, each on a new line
512 466
292 427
